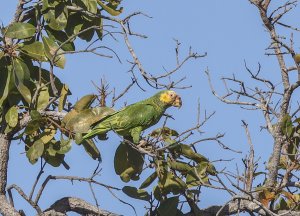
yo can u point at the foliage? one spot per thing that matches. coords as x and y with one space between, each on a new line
46 34
32 48
36 111
178 170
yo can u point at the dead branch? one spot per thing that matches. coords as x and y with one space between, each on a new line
73 204
25 197
152 80
249 172
224 98
70 178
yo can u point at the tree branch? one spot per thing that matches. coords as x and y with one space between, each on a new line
6 209
72 204
4 156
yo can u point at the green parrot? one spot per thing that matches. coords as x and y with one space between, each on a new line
130 121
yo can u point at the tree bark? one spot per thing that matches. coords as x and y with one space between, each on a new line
73 204
6 209
274 159
240 205
4 156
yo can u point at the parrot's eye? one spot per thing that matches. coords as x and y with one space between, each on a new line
172 95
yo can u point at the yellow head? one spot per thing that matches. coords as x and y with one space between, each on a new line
170 98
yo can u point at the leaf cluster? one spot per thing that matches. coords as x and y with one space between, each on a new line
45 32
177 170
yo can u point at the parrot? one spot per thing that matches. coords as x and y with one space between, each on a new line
130 121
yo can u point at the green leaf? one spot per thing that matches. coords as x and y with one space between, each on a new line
157 193
126 175
110 10
121 162
25 92
32 126
149 180
188 152
51 49
128 162
20 30
14 98
60 37
81 122
21 70
35 50
43 98
88 34
287 125
74 25
55 160
35 151
35 115
5 85
136 193
48 134
45 77
8 129
91 149
57 17
197 175
11 117
84 102
89 5
63 97
22 76
172 183
49 4
168 207
49 148
179 166
65 145
99 22
45 5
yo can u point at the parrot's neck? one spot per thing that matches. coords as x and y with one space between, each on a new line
158 104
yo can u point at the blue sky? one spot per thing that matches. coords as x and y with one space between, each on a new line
229 31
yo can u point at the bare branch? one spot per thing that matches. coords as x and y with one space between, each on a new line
115 98
152 80
224 98
37 180
22 194
72 204
249 161
70 178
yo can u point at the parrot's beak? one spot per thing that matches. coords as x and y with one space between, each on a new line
177 102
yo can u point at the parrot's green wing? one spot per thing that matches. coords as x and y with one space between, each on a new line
136 115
